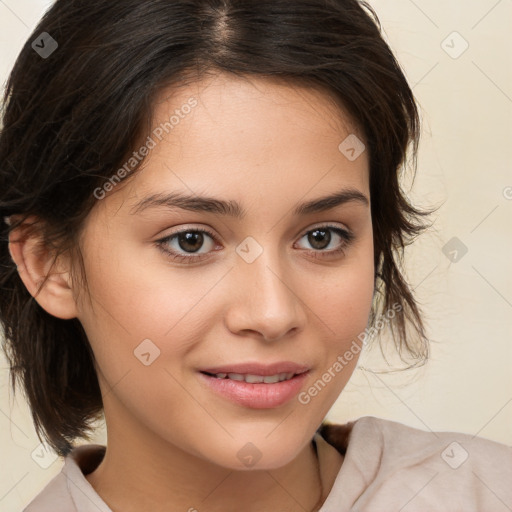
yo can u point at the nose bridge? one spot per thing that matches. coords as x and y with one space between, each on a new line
266 301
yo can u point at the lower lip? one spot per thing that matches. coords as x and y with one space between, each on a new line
256 396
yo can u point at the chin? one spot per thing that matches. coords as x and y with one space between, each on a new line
254 452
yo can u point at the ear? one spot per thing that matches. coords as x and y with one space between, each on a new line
34 261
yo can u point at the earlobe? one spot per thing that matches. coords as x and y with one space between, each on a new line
34 263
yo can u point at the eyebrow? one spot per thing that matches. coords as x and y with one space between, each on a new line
234 209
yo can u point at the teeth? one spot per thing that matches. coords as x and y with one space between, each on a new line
235 376
256 379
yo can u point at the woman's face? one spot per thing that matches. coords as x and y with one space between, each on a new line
271 279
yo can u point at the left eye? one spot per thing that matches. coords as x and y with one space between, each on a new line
191 241
320 238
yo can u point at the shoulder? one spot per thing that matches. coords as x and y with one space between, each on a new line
53 496
69 491
396 440
392 463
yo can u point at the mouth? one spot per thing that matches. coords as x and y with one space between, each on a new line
254 379
255 386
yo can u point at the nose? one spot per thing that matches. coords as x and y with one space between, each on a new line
265 301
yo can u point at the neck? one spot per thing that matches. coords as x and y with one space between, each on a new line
140 472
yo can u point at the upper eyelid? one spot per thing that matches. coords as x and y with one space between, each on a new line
347 236
215 238
210 233
328 225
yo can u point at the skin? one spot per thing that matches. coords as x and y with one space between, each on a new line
172 442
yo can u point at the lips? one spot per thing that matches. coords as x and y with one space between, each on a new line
256 385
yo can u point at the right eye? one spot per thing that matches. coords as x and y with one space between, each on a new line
182 245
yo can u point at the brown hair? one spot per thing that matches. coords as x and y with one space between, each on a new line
70 119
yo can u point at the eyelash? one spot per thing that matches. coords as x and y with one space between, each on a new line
346 236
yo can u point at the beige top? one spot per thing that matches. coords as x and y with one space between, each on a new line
387 467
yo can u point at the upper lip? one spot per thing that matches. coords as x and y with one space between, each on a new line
258 368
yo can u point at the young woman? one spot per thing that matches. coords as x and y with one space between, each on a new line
203 220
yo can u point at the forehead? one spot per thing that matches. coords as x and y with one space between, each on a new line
234 101
246 137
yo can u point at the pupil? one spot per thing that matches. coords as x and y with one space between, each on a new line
190 241
319 238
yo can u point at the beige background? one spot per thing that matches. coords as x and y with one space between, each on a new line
465 165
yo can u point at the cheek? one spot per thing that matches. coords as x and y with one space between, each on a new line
344 298
139 295
144 317
343 303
